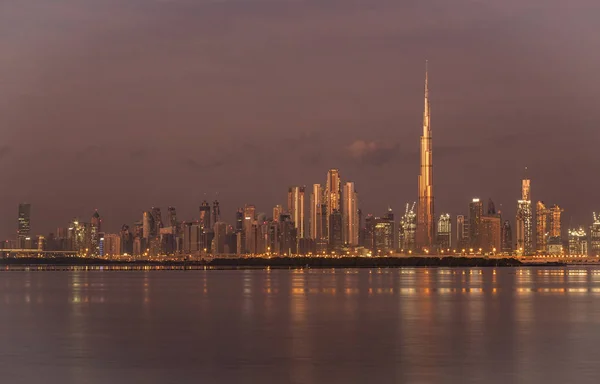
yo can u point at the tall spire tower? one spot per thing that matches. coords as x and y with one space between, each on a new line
425 215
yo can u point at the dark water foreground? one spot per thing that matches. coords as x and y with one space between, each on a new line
405 325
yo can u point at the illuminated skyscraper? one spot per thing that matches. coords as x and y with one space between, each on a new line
541 227
491 234
333 194
555 221
277 211
112 245
96 221
350 214
425 212
578 242
95 230
554 241
296 209
316 200
24 224
595 236
475 229
462 233
444 232
383 236
205 215
525 221
148 225
408 223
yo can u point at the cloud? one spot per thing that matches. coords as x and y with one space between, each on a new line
372 153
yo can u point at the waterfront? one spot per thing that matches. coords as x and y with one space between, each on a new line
412 325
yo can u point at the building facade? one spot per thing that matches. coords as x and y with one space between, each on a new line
425 211
542 215
350 214
524 221
444 232
578 242
475 229
296 209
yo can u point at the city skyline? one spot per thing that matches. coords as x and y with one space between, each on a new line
338 230
504 97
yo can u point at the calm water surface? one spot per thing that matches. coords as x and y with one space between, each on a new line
528 325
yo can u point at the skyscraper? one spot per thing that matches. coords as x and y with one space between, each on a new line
126 240
316 199
491 230
216 212
249 234
350 214
24 224
296 209
555 244
172 217
425 212
158 224
321 235
288 241
525 220
335 232
370 232
148 225
475 228
239 220
491 234
507 244
541 227
277 211
444 232
205 215
383 236
462 232
578 242
555 221
408 224
95 230
333 194
595 236
96 221
220 237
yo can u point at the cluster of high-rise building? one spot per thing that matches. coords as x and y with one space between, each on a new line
329 222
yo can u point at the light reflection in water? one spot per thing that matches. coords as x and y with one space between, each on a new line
302 367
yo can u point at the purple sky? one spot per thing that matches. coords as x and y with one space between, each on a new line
122 105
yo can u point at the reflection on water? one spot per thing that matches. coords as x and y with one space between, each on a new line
305 326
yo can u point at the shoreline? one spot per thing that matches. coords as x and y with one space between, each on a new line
276 262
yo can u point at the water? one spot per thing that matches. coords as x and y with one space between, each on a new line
526 325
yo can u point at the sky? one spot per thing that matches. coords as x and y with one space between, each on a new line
121 105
